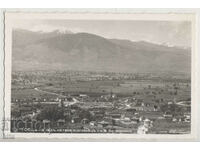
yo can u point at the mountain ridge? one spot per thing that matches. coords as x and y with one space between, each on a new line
86 51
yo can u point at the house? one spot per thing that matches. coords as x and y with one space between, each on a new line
93 123
156 108
84 121
148 123
142 130
60 122
187 117
135 118
174 119
75 119
187 114
67 113
126 123
109 96
83 96
131 110
98 113
113 115
103 124
167 115
138 108
46 123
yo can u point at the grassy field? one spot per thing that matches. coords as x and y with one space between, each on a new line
97 88
126 87
29 94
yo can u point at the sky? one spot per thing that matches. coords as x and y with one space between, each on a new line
171 33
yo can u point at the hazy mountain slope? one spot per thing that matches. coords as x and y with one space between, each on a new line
24 37
83 51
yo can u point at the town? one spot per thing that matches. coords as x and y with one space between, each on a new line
100 102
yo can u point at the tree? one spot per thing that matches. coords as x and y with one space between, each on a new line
52 113
15 113
85 114
164 107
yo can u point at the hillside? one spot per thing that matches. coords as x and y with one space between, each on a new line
84 51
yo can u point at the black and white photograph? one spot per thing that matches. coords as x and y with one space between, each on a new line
99 74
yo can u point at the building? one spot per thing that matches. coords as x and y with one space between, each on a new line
61 122
102 124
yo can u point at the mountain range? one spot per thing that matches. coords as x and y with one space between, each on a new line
85 51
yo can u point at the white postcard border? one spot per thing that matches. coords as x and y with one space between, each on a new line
167 16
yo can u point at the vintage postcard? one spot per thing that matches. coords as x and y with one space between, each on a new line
100 76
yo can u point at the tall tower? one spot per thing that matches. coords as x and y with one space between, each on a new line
61 103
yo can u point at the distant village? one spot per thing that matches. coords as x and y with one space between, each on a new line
41 102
